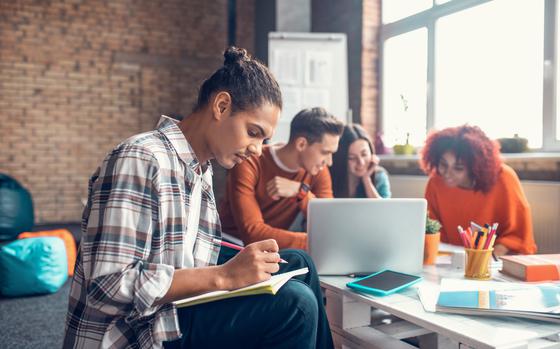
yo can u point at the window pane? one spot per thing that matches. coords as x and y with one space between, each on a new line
393 10
557 73
490 74
404 88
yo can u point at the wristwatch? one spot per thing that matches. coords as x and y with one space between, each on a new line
302 193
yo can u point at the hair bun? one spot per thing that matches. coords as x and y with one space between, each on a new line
234 55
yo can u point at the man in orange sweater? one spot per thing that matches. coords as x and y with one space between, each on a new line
265 195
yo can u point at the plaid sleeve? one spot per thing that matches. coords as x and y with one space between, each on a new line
124 213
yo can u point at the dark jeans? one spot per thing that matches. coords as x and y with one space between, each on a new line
294 318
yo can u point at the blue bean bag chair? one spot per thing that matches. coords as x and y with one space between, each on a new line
16 208
33 266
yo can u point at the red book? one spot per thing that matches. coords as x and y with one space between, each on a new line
536 267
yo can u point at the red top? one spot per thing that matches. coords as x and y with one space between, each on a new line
247 212
505 204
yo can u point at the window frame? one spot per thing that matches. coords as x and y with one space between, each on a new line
427 19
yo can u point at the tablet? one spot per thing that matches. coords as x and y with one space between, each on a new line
384 282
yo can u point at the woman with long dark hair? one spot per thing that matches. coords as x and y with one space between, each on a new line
355 170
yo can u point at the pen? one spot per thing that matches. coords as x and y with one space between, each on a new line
359 275
239 248
476 241
482 241
491 237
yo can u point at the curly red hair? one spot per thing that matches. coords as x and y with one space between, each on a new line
470 144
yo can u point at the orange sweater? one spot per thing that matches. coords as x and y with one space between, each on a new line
505 203
247 211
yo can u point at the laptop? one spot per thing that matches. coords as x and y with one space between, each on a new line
362 236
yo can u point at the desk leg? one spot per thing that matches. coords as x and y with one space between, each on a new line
345 313
350 322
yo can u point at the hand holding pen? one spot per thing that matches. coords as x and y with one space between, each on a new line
254 263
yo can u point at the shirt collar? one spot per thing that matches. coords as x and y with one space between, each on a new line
169 128
273 148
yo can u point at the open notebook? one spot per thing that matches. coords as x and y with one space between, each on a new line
270 286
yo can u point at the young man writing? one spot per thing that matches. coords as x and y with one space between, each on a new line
151 235
266 195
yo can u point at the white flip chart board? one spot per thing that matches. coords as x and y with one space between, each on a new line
312 70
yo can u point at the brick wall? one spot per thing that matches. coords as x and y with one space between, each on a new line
77 77
360 20
245 25
370 64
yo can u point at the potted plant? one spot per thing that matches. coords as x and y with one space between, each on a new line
513 145
406 148
431 241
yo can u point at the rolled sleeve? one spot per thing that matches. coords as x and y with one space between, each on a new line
123 216
132 290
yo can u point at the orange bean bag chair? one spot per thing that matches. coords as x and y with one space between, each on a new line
66 236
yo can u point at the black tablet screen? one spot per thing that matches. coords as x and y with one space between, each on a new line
387 280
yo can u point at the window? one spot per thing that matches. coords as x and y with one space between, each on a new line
404 97
491 75
556 121
483 63
393 10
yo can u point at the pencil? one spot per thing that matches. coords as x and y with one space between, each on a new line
235 247
463 236
239 248
492 241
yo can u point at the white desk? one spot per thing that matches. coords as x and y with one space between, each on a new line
350 315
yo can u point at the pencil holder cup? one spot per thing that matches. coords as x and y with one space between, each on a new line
477 264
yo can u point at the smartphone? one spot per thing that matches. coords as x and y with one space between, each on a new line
384 282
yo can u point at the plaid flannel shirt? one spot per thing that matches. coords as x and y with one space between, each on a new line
134 237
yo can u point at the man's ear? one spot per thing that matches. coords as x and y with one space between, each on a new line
221 105
301 143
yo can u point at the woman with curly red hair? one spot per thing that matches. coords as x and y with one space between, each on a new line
469 182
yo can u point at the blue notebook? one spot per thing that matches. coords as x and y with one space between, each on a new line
536 301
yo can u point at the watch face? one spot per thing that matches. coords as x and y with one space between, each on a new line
303 189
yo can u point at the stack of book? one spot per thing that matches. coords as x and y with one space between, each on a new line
537 267
533 301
